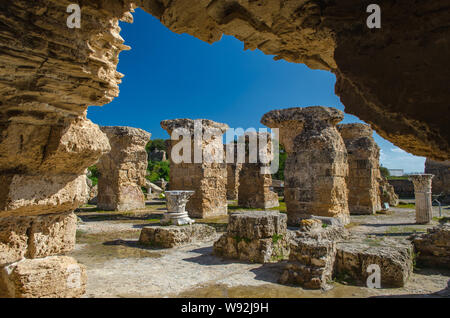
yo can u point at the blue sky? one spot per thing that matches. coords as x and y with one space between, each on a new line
169 76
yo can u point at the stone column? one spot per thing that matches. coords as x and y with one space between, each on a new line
208 177
254 183
233 170
122 171
316 165
176 208
422 193
364 168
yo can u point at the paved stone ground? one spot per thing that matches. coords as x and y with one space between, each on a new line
118 267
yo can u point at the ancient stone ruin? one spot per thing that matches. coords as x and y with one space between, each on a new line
422 193
233 171
255 179
122 171
387 192
259 237
176 208
441 179
316 165
364 168
208 178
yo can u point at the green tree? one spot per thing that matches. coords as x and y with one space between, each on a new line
158 170
279 175
384 172
159 144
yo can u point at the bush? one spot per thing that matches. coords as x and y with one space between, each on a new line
94 174
279 175
158 170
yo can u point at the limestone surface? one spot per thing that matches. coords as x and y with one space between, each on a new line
422 194
310 263
257 236
364 168
122 171
36 236
254 180
387 192
173 235
233 171
208 177
394 258
316 165
433 248
50 277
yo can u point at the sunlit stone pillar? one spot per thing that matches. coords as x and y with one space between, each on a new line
422 193
364 168
197 164
316 165
254 180
122 170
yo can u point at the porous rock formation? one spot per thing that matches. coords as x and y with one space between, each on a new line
364 168
316 164
208 178
173 235
387 192
122 171
255 179
433 248
257 236
441 179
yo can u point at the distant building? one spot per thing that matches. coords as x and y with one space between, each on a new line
396 172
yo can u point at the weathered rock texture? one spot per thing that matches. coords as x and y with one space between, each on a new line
433 248
310 263
333 35
233 171
49 75
122 171
364 168
254 180
207 179
172 236
422 193
394 259
50 277
36 236
257 236
387 192
441 179
316 165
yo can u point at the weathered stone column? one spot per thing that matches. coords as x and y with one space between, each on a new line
233 170
208 177
316 165
422 193
364 168
176 208
122 171
254 183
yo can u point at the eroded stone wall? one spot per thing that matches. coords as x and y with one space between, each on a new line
122 171
207 179
316 164
364 168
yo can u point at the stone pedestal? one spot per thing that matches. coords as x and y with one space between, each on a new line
364 168
422 193
202 174
176 208
316 165
173 236
257 236
122 170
